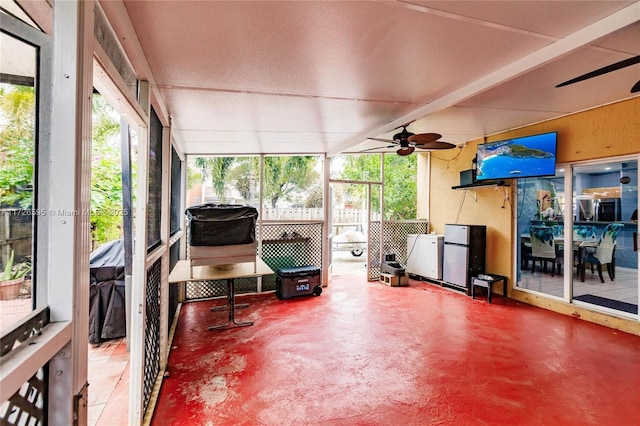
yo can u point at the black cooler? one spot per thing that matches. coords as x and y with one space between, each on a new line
299 281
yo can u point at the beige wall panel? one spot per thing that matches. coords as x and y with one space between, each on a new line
607 131
484 206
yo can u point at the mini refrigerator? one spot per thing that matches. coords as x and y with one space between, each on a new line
464 253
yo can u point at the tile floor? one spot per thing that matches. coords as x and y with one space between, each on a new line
12 311
108 377
624 288
108 371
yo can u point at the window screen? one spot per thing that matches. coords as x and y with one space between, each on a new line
155 181
176 191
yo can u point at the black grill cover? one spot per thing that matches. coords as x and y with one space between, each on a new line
221 224
107 316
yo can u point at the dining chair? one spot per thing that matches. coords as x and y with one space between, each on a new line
584 232
525 253
543 249
604 252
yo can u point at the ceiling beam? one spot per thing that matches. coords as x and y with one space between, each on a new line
547 54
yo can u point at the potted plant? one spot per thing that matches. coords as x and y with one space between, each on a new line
12 278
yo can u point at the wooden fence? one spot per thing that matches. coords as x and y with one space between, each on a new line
15 234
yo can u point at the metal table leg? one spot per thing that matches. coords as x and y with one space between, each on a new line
232 308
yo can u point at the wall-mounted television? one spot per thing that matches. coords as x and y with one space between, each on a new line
517 158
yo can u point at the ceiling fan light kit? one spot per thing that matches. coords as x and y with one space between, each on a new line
405 150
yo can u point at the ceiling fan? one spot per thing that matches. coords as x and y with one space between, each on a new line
409 141
604 70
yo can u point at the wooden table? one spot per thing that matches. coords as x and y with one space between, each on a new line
182 273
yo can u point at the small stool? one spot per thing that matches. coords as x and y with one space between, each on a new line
488 284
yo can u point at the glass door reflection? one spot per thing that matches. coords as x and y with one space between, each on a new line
606 258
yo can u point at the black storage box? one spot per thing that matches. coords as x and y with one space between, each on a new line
300 281
221 224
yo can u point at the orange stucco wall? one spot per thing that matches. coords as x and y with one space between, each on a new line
608 131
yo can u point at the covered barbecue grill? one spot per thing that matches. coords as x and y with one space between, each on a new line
221 224
107 315
221 234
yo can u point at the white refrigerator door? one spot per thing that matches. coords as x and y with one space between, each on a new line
454 265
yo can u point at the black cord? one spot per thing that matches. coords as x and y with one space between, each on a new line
448 159
413 246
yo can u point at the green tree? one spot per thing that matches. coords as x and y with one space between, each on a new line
216 168
17 106
106 177
244 177
314 198
400 188
400 194
284 176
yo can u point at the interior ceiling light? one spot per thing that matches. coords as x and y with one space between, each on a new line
405 150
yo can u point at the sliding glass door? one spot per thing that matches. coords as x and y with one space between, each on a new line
605 204
598 201
541 208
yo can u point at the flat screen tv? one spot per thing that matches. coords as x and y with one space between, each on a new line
527 156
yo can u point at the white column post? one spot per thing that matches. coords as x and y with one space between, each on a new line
423 189
139 279
182 290
326 232
68 203
165 231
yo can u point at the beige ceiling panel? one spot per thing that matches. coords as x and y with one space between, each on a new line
536 90
276 77
327 49
208 110
555 18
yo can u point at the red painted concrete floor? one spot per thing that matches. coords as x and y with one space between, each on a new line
367 354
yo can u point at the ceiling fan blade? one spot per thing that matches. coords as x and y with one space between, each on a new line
613 67
382 140
423 138
377 147
436 145
636 87
405 150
